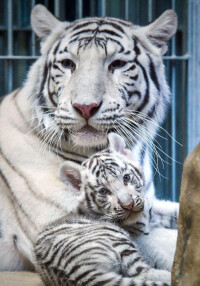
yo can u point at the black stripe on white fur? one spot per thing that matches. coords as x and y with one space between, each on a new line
78 251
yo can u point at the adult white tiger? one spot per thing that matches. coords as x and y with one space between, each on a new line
91 73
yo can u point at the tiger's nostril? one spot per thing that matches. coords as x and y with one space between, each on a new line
86 110
129 206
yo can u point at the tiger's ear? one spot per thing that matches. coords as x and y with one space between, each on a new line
117 144
70 173
159 32
42 21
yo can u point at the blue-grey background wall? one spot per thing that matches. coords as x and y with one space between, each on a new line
19 48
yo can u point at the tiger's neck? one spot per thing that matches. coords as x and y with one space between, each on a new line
85 209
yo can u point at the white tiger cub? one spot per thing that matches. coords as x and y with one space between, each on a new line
79 250
94 76
152 233
156 243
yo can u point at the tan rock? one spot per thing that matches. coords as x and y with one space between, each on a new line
186 269
22 278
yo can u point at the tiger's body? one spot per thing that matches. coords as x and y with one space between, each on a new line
84 250
80 251
94 76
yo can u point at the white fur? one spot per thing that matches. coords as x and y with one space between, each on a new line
35 196
158 247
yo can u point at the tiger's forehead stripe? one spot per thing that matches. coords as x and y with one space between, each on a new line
99 24
97 31
101 30
82 25
104 165
116 23
136 170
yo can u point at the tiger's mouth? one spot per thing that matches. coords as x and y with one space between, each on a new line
127 217
88 136
88 130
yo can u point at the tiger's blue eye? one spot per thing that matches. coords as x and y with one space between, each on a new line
103 191
126 178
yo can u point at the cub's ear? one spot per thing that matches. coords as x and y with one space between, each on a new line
70 172
117 144
159 32
42 21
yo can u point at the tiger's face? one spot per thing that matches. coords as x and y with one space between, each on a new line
101 75
90 101
109 184
113 187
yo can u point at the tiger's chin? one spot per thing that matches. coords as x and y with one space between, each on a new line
133 218
89 137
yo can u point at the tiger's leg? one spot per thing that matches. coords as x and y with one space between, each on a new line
164 214
158 247
135 267
15 250
52 276
10 258
97 278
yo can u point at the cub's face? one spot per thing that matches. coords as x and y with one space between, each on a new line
110 185
113 187
97 72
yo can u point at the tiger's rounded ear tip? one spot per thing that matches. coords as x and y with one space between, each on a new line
172 15
114 136
37 9
64 166
111 135
69 170
69 164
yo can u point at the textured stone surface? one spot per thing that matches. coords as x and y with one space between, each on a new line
186 269
20 279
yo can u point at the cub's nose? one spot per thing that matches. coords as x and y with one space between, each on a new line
86 110
129 206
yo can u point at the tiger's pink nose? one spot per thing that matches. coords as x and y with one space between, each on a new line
86 110
128 207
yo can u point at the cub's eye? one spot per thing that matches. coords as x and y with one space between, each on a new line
126 178
68 64
118 64
103 191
